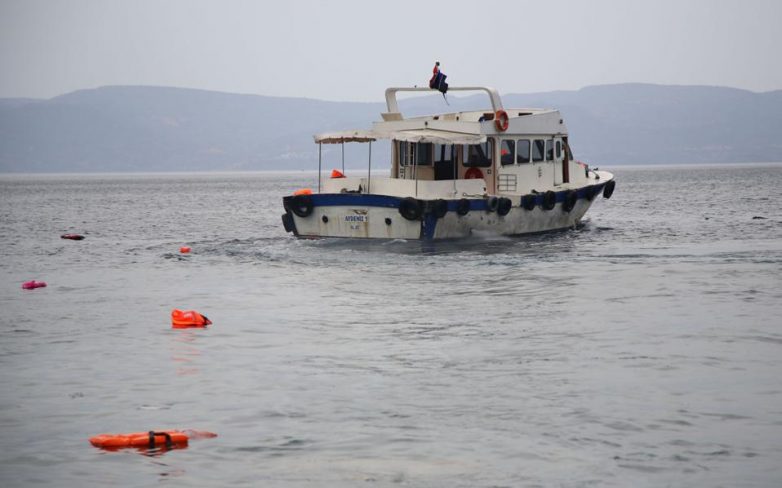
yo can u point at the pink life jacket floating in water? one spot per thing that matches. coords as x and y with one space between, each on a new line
32 284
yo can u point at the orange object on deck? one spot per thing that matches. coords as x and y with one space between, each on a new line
473 174
303 191
184 249
188 318
335 173
167 439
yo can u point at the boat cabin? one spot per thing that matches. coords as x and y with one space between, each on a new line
517 152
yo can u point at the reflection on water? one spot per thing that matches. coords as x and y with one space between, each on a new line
185 352
640 349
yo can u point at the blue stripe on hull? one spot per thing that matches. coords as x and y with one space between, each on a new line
348 199
364 200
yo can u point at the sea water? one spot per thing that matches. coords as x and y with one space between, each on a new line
642 349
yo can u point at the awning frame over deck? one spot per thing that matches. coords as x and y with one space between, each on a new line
412 135
344 136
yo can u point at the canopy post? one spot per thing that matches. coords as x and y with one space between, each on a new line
369 168
343 156
455 165
320 147
415 169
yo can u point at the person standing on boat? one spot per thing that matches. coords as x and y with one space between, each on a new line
435 72
437 82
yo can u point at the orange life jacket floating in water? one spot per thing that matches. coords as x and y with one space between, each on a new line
188 318
167 439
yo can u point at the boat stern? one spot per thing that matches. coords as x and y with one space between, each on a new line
349 216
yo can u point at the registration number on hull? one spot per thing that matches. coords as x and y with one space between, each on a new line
358 220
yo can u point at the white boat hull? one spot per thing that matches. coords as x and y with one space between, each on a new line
379 216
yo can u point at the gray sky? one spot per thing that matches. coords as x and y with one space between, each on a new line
353 50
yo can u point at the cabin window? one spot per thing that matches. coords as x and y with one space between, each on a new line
522 151
443 153
423 153
559 149
537 149
479 155
550 150
418 153
404 160
444 162
506 151
566 148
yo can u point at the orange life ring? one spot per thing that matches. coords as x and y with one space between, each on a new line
473 174
501 120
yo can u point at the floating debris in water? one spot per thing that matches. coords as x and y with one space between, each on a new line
32 285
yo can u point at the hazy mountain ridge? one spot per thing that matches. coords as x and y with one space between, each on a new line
135 128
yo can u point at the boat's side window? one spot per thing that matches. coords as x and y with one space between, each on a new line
415 153
423 153
479 155
522 151
444 153
402 152
559 150
506 151
566 148
550 150
537 149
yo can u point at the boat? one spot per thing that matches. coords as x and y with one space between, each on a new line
494 171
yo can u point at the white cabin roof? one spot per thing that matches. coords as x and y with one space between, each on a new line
452 128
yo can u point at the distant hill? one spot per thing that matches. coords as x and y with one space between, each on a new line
134 128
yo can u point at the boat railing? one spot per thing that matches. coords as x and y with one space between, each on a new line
426 189
393 106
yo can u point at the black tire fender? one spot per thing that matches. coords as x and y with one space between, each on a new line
492 203
302 205
463 206
528 202
504 206
439 208
410 208
608 190
549 200
571 198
